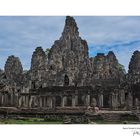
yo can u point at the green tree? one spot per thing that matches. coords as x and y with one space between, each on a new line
47 51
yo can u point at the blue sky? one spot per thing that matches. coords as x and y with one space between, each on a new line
19 36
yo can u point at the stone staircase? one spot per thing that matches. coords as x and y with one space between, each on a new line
110 116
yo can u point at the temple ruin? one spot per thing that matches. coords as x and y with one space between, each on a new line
68 81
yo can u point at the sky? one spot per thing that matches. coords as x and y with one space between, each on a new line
20 35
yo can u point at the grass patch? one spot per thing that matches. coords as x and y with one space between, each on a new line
48 121
29 121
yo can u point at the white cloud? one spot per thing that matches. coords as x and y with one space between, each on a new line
103 30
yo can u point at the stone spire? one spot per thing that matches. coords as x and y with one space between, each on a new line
38 65
134 65
106 67
111 56
70 28
134 69
38 61
13 69
69 55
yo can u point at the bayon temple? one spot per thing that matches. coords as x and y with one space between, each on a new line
66 80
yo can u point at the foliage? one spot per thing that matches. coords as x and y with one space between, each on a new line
30 121
121 67
47 51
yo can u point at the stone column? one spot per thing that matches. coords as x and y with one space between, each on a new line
137 103
16 99
11 101
76 100
52 102
30 102
117 102
5 99
62 104
20 102
122 97
45 101
129 101
64 101
49 102
88 100
26 101
2 99
101 100
73 101
30 84
40 101
114 101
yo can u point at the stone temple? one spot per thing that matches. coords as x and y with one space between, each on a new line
66 81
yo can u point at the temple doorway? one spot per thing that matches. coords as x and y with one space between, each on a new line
33 85
58 101
69 100
66 80
106 101
81 100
